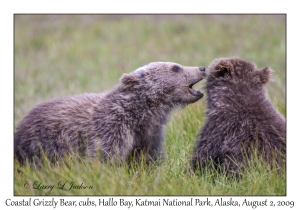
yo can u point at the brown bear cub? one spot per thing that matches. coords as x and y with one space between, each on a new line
240 118
113 125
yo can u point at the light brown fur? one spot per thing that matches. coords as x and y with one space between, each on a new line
127 120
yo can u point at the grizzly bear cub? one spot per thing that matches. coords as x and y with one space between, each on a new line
240 118
129 119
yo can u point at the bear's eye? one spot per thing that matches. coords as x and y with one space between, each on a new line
176 69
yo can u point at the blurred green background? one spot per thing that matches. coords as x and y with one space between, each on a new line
61 55
58 55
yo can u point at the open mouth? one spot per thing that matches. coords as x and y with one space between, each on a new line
195 92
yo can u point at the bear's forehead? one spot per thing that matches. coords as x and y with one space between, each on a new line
156 65
241 63
237 63
160 63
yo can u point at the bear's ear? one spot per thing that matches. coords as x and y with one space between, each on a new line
264 74
129 80
222 68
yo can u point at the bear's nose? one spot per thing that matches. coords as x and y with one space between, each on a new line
202 68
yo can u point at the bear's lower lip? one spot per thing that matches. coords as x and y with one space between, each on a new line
195 92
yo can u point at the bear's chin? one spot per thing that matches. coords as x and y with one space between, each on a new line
195 96
195 93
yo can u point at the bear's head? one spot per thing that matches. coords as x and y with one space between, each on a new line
232 78
165 82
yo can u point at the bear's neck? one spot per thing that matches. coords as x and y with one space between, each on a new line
140 108
236 102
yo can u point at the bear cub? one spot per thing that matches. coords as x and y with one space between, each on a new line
127 120
240 118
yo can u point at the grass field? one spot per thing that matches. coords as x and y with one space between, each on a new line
60 55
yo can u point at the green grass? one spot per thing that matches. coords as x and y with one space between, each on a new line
66 55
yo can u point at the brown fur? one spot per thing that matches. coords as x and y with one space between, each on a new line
128 119
240 117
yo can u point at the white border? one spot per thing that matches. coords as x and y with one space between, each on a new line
8 8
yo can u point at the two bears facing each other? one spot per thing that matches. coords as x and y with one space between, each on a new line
130 118
240 119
